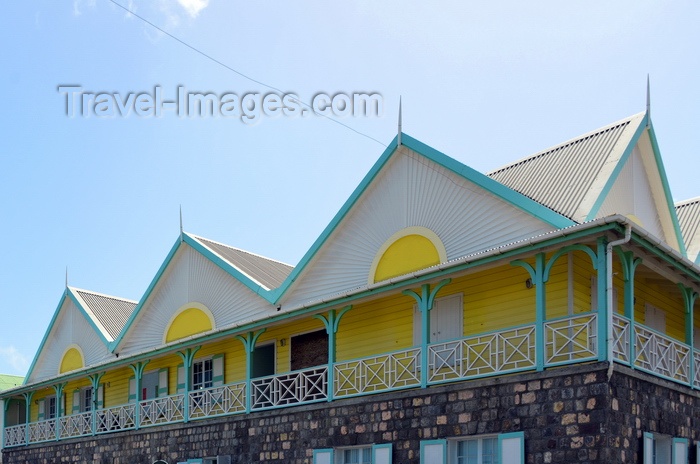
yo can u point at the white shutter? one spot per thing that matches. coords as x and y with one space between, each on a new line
679 451
323 456
445 320
433 452
381 454
100 396
181 378
76 402
162 382
648 453
42 409
512 447
218 370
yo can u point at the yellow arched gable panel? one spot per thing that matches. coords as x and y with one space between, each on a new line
408 250
191 319
72 360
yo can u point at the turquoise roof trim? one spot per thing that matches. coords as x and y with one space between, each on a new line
67 294
509 195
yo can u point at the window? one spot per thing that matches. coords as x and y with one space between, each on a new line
664 449
355 456
264 360
202 374
149 386
476 451
506 448
51 411
309 350
86 395
374 454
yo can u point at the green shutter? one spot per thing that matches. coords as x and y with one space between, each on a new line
511 446
323 456
218 370
381 454
163 382
433 452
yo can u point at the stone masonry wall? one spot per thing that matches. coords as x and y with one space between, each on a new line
567 414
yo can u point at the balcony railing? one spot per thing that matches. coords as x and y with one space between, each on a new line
570 339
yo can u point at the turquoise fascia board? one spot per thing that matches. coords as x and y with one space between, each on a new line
667 190
618 168
509 195
228 268
46 336
149 290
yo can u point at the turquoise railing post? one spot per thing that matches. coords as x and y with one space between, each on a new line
537 276
138 369
28 410
95 381
689 297
603 310
59 411
629 266
187 358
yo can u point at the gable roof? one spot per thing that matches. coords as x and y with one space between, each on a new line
558 177
10 381
111 312
688 213
267 272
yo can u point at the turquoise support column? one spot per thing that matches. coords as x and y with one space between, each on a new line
689 297
331 323
602 300
425 303
249 341
95 381
629 266
187 358
59 411
138 369
28 411
537 274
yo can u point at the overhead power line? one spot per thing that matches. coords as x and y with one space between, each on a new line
245 76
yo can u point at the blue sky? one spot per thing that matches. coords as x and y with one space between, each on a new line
485 84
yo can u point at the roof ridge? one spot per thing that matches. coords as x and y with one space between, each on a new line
103 295
241 250
571 141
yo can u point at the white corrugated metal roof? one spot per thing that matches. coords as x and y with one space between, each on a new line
266 271
561 177
111 312
688 213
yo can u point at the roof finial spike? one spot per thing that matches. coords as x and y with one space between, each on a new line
181 230
66 276
648 102
399 136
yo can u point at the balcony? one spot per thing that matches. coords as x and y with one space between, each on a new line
566 340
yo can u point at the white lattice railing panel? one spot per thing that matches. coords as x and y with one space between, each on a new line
42 431
377 373
75 425
621 339
216 401
293 388
15 435
480 355
116 418
696 363
162 410
661 355
571 339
